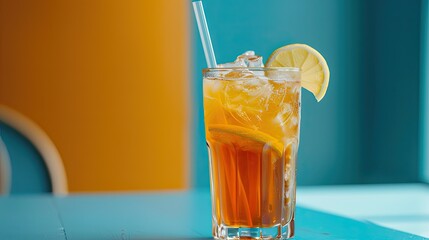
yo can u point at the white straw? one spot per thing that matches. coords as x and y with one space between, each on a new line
204 34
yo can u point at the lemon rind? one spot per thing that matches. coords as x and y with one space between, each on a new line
326 74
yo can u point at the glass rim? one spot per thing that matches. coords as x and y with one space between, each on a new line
281 69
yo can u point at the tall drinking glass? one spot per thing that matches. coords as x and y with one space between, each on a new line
252 118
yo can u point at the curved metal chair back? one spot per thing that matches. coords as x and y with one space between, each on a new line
41 142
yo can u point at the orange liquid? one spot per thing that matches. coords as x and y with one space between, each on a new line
247 185
252 182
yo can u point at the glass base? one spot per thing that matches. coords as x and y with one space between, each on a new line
274 232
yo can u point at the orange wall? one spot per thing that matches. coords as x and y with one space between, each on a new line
108 81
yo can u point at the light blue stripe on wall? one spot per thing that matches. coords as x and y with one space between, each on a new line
424 95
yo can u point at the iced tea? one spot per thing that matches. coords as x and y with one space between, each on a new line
252 118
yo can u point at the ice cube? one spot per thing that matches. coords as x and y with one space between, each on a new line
235 64
247 59
250 59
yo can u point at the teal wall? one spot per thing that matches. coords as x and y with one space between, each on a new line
366 127
391 91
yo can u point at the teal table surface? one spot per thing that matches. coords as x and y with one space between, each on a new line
153 215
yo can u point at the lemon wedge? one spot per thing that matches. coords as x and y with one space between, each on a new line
245 138
314 69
